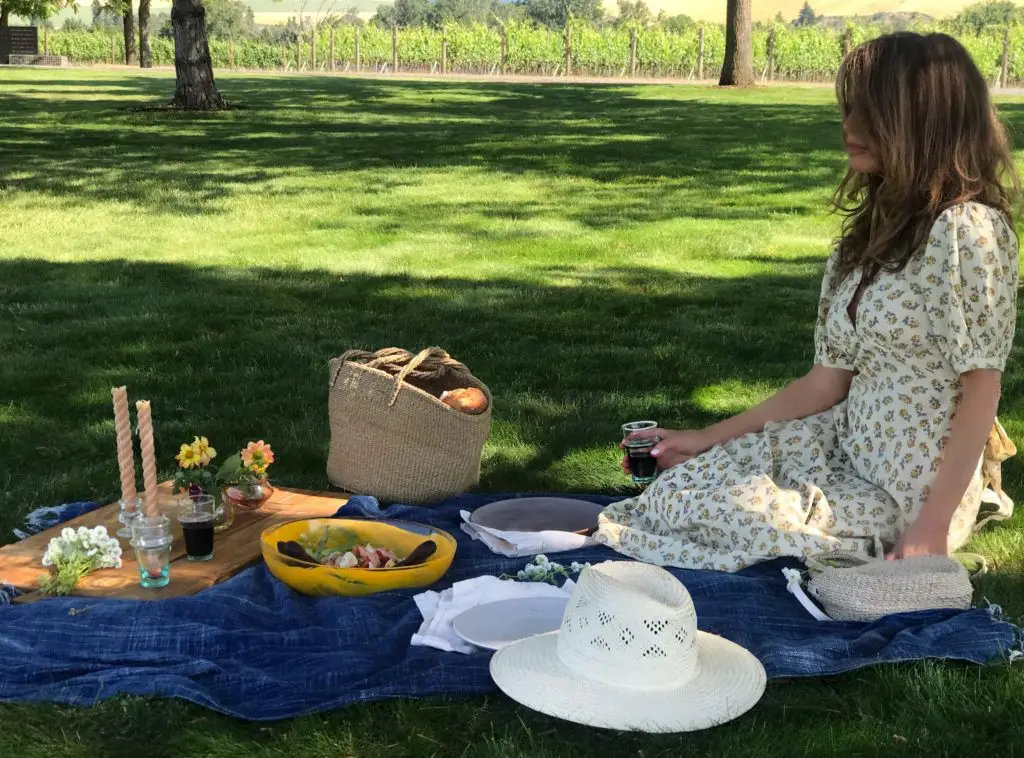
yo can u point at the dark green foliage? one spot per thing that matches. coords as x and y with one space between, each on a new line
981 16
556 13
229 19
806 17
634 13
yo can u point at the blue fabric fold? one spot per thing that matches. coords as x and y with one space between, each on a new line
39 520
253 649
45 518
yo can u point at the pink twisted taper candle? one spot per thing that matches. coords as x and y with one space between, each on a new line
125 450
148 457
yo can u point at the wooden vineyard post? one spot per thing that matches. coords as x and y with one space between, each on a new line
298 53
394 49
231 53
770 70
330 65
358 56
847 41
568 49
444 55
113 50
504 50
632 51
700 53
1004 71
312 53
284 58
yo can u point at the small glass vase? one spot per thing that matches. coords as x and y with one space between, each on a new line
152 539
248 496
224 513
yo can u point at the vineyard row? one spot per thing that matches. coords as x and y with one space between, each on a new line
781 52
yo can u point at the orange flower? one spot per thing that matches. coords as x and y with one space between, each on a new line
257 456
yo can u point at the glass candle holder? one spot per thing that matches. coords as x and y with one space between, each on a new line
152 538
129 510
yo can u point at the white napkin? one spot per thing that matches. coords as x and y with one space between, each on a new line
516 544
441 609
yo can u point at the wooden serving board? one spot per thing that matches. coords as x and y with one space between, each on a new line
234 549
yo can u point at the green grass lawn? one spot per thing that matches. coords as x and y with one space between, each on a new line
595 254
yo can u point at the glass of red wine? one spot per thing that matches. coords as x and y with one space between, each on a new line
197 515
642 465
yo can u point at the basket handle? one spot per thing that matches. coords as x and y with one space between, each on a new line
430 363
794 585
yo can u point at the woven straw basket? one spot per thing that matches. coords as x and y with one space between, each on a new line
391 437
851 587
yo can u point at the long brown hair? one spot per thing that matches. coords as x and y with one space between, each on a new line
925 113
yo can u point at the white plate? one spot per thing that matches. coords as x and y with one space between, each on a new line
539 514
495 625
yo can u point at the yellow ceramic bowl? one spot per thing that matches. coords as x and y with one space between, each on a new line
401 537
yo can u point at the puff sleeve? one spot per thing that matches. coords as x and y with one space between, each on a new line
970 269
828 350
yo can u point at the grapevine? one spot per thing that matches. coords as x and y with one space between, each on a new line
800 53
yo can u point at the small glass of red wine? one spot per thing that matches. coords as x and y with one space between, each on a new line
197 515
642 465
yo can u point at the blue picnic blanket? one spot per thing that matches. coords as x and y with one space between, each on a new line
252 648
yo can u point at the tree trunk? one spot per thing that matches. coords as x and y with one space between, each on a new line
5 15
131 55
193 69
738 68
145 48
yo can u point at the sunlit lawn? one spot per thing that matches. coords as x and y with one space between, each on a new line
595 254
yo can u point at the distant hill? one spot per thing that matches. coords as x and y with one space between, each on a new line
265 11
714 10
272 11
888 20
701 10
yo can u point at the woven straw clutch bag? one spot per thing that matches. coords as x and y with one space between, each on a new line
851 587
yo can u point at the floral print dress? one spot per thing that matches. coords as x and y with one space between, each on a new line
854 477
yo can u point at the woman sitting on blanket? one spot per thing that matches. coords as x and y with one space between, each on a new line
879 447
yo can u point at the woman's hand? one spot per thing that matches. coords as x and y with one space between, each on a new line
925 536
676 446
820 389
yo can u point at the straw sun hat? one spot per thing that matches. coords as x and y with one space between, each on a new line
628 656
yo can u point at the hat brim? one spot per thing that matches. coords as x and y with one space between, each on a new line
730 682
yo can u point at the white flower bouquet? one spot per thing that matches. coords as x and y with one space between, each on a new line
540 569
75 554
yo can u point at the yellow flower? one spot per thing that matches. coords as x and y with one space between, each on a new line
187 457
202 448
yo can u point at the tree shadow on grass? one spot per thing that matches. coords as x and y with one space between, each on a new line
234 354
733 159
237 354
